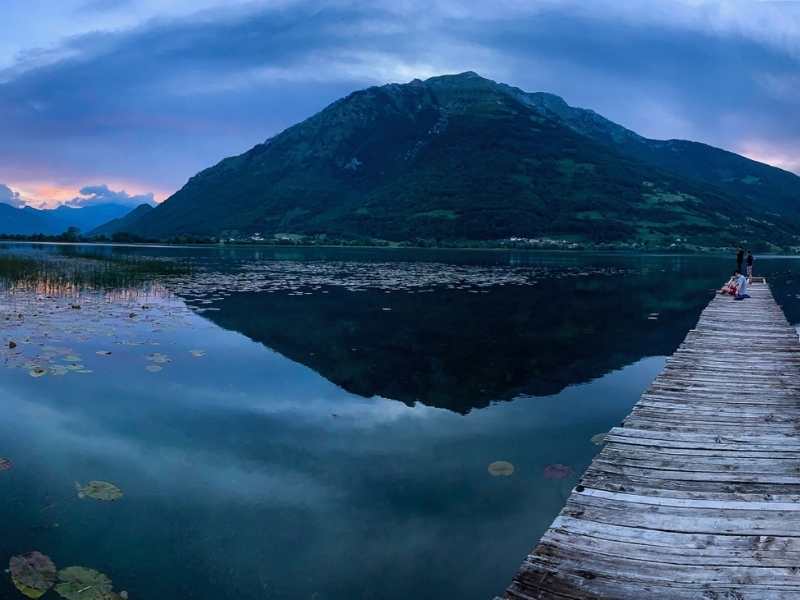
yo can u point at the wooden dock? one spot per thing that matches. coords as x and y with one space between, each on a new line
697 495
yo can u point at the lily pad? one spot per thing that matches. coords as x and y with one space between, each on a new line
5 464
197 353
80 583
557 471
33 573
154 368
99 490
37 372
103 353
501 468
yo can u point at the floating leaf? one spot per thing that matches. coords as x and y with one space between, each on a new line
99 490
197 353
33 573
72 358
154 368
5 464
80 583
501 468
557 471
103 353
598 439
157 357
37 372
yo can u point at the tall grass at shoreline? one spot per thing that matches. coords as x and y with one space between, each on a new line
80 271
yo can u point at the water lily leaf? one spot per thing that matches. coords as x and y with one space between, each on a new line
72 358
37 372
103 353
5 464
501 468
154 368
33 573
598 439
99 490
80 583
157 357
557 471
197 353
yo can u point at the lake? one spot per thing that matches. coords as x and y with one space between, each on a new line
320 423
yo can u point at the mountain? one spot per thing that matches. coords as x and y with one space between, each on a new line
122 223
30 221
86 218
460 157
23 221
769 187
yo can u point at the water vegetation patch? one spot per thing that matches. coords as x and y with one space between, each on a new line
33 574
501 468
82 271
99 490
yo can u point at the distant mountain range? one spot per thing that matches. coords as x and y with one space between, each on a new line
460 157
31 221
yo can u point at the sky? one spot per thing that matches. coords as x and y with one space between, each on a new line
128 98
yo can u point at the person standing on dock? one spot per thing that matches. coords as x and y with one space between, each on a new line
750 266
739 259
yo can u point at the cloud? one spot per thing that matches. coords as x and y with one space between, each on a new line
101 194
9 196
152 100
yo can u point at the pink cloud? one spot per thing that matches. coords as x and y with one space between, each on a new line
48 194
783 158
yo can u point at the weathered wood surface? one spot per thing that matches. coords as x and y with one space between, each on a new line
697 495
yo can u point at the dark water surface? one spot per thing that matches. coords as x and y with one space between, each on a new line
318 424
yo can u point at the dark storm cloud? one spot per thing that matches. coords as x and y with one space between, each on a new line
158 102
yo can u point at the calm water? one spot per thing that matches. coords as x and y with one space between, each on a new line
318 423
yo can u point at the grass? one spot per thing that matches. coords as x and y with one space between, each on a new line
85 271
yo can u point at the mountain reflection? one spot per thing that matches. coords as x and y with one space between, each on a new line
459 335
457 350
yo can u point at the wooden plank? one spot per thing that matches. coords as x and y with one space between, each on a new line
697 494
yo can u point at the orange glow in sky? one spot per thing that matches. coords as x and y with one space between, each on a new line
45 194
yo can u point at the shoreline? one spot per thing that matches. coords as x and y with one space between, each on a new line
609 251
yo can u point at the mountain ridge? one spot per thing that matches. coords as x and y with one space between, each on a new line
119 224
33 221
461 157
